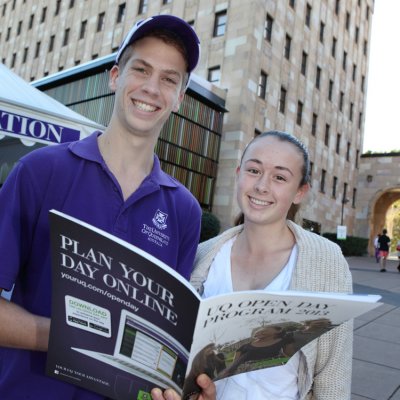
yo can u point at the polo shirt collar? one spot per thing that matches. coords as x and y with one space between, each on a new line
88 149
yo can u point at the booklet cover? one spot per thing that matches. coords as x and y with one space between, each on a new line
123 322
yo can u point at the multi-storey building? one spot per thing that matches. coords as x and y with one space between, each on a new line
294 65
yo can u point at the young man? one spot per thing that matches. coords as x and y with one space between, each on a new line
111 180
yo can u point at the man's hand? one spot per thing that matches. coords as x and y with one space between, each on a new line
208 391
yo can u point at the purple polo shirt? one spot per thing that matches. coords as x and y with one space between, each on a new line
162 217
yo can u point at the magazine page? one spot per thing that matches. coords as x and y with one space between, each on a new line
250 330
122 321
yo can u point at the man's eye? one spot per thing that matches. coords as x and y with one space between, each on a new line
171 81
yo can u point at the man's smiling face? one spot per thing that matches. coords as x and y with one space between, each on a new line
149 86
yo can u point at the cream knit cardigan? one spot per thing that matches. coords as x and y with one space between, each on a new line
325 364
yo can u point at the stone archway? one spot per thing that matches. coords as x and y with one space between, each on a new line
378 188
379 207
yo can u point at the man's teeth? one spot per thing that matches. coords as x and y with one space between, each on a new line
144 107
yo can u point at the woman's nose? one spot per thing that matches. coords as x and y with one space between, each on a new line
262 184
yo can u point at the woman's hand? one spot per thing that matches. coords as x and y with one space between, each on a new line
208 391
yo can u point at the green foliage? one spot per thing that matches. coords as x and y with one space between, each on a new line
352 246
210 226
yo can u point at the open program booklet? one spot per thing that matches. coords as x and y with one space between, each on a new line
123 322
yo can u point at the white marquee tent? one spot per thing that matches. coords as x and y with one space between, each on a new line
32 116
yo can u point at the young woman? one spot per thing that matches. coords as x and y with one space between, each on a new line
268 251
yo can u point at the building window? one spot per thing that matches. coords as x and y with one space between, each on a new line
348 151
345 200
166 2
341 101
337 7
333 50
37 49
314 124
51 43
14 58
311 171
71 3
304 63
31 19
347 20
282 100
25 56
220 23
3 13
362 83
19 28
338 138
262 85
269 21
318 78
100 21
367 13
330 90
326 138
288 42
357 155
322 184
334 186
354 72
357 34
321 32
43 17
214 75
121 12
344 60
83 29
66 37
143 4
308 15
360 117
58 6
353 201
292 3
351 111
365 47
299 115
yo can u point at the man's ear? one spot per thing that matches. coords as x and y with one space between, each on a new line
179 101
301 192
114 74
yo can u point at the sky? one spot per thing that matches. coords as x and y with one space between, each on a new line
381 131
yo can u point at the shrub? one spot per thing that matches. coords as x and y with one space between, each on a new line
351 246
210 226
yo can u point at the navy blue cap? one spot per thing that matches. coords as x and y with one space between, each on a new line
168 22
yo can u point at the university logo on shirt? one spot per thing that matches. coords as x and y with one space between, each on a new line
160 219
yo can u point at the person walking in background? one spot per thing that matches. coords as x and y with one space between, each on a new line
376 247
112 180
398 254
269 252
384 243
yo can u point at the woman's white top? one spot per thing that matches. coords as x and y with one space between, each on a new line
269 383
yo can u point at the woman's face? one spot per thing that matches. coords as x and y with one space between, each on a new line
269 180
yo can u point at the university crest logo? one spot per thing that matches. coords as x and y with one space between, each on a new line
160 219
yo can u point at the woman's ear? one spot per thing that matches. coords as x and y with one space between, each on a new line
301 192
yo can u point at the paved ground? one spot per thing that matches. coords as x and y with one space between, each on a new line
376 358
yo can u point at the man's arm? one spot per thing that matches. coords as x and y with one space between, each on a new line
21 329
